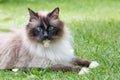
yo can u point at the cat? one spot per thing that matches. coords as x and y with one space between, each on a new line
44 43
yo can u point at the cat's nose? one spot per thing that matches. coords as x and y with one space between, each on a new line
45 35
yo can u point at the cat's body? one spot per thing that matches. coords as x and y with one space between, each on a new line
24 49
25 54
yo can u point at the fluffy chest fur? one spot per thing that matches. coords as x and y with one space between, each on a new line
58 53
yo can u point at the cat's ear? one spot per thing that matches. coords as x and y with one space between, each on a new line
33 15
55 13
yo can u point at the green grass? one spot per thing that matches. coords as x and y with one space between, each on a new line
95 25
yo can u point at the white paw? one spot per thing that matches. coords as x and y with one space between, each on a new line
83 71
15 69
93 64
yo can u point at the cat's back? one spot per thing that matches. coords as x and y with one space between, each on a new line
9 38
5 36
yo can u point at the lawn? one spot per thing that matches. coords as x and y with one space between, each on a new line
95 26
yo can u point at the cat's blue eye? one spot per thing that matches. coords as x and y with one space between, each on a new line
39 28
51 28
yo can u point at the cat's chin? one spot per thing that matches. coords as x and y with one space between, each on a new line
44 43
47 42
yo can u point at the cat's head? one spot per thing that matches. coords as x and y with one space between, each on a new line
45 26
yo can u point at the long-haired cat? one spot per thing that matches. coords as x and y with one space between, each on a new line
45 43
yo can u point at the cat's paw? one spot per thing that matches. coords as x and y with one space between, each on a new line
84 70
15 69
93 64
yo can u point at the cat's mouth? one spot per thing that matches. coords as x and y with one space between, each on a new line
46 43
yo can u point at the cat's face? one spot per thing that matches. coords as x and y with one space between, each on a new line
45 26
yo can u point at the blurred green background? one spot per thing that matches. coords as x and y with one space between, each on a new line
95 26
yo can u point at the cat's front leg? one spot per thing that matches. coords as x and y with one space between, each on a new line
84 63
61 67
